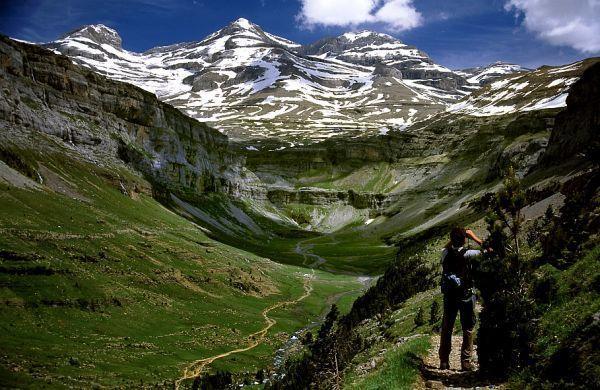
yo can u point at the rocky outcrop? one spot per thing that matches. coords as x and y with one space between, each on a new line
576 130
322 197
522 156
529 133
387 71
48 103
369 48
390 148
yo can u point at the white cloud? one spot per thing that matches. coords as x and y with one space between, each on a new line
397 15
574 23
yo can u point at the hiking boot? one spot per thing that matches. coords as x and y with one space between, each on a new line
467 365
444 366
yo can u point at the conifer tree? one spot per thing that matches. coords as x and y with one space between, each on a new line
420 317
434 313
505 330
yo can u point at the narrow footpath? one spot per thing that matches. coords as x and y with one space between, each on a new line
197 367
454 378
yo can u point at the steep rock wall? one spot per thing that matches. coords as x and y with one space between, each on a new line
577 129
49 104
321 197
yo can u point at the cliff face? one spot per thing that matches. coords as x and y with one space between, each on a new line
327 154
321 197
576 129
51 105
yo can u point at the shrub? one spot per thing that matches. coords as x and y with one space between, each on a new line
434 313
565 233
420 317
545 289
220 380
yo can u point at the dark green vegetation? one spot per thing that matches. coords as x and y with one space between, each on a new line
539 323
340 339
505 330
396 347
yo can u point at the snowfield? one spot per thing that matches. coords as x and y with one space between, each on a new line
544 88
360 83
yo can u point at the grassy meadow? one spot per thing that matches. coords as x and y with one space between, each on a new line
99 287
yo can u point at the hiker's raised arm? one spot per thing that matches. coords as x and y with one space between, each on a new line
469 233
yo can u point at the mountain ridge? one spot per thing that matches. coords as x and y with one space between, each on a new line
483 75
246 79
255 86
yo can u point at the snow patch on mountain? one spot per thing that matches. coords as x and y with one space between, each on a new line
257 85
544 88
487 74
551 102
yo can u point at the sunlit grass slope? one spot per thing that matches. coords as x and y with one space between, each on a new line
97 286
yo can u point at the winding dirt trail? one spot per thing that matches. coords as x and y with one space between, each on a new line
196 367
453 378
304 250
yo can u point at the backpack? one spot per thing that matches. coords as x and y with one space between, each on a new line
454 272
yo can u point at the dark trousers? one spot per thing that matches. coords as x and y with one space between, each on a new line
452 305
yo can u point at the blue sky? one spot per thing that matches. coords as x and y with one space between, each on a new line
457 33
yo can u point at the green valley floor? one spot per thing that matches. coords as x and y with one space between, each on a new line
98 287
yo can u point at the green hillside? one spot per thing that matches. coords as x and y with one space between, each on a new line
96 282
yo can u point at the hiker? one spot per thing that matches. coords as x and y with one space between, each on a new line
457 287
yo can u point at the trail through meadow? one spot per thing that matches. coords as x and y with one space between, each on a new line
197 367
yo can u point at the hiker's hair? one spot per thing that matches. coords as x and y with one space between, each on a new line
458 236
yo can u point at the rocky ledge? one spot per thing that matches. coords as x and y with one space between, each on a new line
49 104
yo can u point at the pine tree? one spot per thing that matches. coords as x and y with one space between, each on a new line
505 331
420 317
260 376
434 313
507 208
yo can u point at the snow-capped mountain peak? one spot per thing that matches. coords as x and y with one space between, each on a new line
366 34
97 33
253 84
364 40
487 74
244 33
369 48
243 23
241 26
243 79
